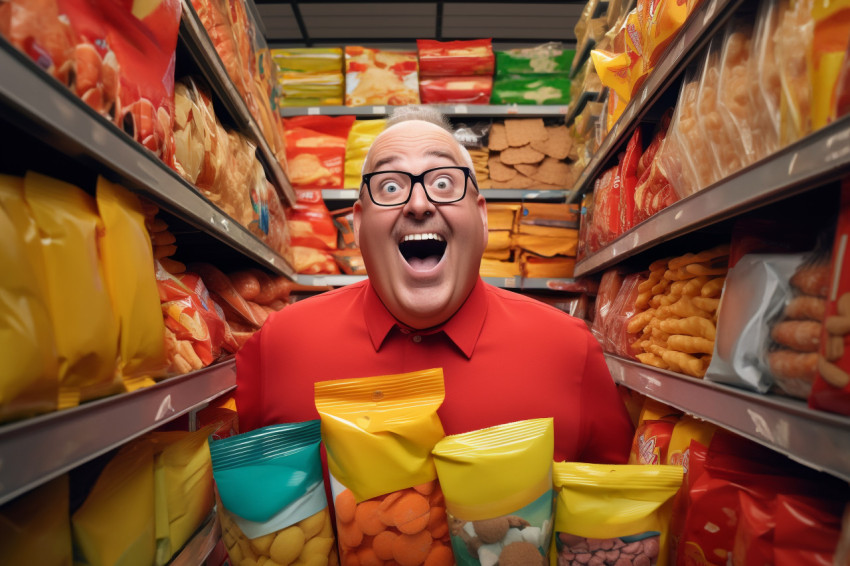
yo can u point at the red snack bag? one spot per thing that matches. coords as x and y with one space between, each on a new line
310 222
585 234
693 465
652 437
605 215
315 150
220 284
609 287
628 178
454 58
831 388
807 529
618 340
456 90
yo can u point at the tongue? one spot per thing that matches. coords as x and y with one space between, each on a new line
424 263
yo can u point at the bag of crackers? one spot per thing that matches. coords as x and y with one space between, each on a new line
379 433
271 496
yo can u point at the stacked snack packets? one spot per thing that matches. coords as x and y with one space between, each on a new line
534 75
379 432
455 71
527 154
272 495
310 76
677 311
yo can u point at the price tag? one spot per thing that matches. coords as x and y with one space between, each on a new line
314 111
513 110
379 109
461 109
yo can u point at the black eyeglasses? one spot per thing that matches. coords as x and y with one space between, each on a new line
443 185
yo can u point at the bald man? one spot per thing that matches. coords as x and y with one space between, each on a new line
421 224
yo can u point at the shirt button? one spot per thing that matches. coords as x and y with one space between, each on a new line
417 339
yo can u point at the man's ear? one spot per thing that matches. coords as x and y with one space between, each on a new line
482 209
357 213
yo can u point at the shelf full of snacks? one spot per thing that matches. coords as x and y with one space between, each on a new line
451 110
817 439
75 436
697 31
196 38
49 110
821 157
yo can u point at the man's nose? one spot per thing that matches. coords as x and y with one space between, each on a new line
418 205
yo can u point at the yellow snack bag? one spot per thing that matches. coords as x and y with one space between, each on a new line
612 512
379 433
832 28
28 383
115 525
128 267
84 322
498 487
686 429
183 480
35 528
360 138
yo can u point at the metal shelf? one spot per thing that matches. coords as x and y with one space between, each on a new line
697 31
36 450
452 110
525 284
198 42
50 111
201 545
817 439
812 161
489 194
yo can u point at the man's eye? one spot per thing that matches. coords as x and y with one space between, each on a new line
442 184
391 188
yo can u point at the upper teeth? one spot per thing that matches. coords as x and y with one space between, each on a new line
414 237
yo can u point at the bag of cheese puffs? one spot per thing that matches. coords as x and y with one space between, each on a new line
379 433
498 487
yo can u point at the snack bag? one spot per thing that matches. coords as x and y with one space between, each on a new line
84 320
612 514
105 530
755 294
498 487
375 76
735 104
552 57
455 58
310 221
35 528
315 150
272 501
685 430
128 267
29 382
379 433
794 37
831 31
617 339
764 80
360 138
471 89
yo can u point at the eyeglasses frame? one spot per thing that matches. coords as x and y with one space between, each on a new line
414 179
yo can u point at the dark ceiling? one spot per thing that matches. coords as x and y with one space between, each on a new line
394 24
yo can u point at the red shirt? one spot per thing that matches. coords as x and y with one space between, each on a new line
505 358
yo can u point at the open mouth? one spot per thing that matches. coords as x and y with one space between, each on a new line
422 251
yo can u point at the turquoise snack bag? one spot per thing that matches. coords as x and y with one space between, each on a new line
272 500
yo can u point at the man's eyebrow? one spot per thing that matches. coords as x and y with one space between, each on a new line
431 153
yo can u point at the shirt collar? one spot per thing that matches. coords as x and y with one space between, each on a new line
463 328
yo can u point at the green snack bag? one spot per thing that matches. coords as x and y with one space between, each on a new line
547 58
531 89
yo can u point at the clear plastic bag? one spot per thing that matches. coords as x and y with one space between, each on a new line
734 103
764 95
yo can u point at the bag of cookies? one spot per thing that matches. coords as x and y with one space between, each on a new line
272 501
379 432
612 514
498 487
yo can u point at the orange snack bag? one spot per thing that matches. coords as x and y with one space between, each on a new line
379 433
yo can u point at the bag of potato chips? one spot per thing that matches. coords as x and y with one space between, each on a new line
498 487
272 495
379 433
612 514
